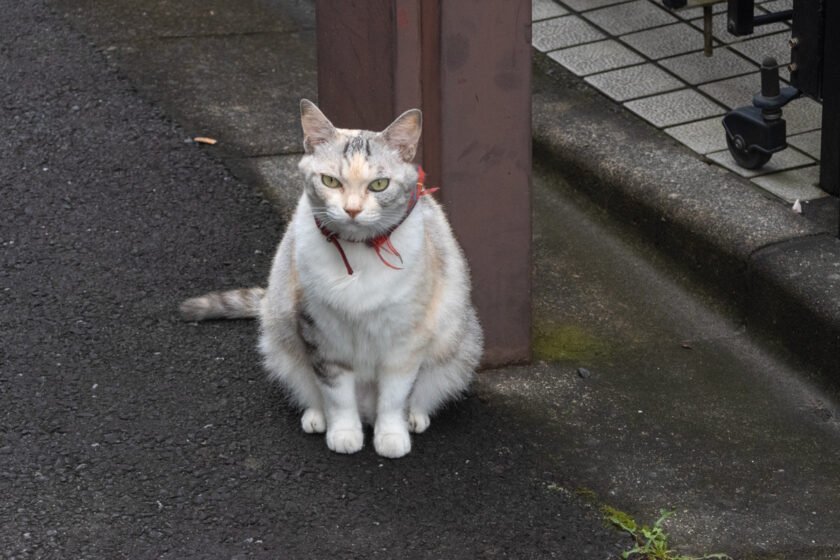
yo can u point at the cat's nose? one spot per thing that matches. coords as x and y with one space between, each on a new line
352 212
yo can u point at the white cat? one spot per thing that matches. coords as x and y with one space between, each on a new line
367 314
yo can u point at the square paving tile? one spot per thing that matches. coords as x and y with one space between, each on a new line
721 34
697 68
786 159
544 9
734 92
582 5
676 107
775 45
634 81
633 16
808 142
792 184
557 33
701 136
662 42
802 115
596 57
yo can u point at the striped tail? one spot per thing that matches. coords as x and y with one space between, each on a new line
234 304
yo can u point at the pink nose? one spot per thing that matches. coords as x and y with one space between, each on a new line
352 213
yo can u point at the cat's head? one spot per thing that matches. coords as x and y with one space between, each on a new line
358 182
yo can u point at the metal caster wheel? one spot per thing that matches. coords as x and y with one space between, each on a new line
745 157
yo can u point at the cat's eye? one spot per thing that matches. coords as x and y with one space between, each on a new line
331 182
379 185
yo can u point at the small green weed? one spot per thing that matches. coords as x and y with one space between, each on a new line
651 542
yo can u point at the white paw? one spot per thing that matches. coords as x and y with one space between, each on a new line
345 441
418 421
392 444
313 421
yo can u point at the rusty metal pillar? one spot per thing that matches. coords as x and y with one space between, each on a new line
467 65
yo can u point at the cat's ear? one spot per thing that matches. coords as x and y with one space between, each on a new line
403 134
317 129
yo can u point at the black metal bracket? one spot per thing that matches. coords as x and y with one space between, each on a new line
741 20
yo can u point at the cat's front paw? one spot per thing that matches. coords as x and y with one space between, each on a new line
418 421
392 444
313 421
345 440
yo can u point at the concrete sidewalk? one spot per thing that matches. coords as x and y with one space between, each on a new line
780 271
682 407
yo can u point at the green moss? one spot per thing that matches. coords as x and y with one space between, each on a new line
566 342
588 495
620 519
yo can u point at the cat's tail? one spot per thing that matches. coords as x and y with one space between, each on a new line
233 304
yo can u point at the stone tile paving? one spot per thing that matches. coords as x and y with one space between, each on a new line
650 59
636 81
628 17
592 58
566 31
669 109
808 142
662 42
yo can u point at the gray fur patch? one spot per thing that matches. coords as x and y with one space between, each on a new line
325 369
357 144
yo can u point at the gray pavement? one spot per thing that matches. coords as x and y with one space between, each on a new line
129 434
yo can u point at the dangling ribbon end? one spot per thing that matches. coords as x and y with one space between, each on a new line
383 243
389 265
332 237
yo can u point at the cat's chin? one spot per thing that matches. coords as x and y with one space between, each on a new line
353 231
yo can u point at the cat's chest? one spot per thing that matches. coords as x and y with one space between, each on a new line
373 286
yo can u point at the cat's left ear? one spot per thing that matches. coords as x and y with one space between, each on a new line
403 134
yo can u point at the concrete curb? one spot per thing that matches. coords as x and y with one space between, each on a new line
779 270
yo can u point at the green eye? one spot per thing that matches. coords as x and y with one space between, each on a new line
331 182
379 185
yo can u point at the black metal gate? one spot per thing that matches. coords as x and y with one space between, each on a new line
815 72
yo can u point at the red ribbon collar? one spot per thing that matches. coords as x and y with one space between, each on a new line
382 242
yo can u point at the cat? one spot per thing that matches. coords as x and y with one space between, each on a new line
367 315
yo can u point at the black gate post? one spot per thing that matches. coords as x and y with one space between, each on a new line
830 144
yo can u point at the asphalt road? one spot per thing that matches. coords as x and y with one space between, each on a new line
125 433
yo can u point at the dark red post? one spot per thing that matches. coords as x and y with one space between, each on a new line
467 65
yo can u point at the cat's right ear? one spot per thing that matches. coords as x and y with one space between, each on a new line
317 129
